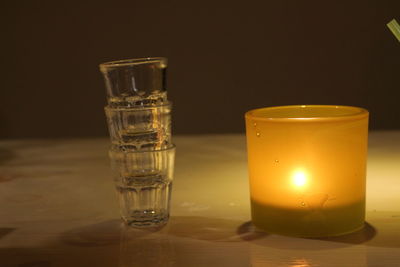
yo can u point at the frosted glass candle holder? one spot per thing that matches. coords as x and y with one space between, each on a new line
307 169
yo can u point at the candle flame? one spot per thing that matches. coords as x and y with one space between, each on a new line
299 178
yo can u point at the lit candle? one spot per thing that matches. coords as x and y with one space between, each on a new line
307 169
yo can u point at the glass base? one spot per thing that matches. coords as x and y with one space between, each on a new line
146 218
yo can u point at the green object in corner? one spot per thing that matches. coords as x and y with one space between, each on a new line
395 28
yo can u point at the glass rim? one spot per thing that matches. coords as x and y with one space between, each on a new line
353 113
170 147
133 62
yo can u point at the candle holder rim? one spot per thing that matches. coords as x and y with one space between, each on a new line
357 113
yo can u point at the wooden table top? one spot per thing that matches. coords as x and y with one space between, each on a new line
58 208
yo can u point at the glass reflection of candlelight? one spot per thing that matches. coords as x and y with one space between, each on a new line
300 263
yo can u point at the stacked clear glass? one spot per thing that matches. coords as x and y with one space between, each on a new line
142 153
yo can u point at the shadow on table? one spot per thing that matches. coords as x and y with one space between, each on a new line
208 229
104 234
183 240
6 155
108 243
5 231
369 236
201 240
222 230
190 238
193 227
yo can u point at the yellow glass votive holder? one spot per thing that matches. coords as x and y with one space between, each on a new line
307 169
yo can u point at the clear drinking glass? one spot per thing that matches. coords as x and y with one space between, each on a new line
142 128
135 82
143 181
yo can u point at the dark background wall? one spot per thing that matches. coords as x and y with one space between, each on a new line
225 57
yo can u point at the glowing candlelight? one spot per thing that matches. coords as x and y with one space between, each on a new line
307 168
299 178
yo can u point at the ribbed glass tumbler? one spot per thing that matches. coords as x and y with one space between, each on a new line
142 153
143 182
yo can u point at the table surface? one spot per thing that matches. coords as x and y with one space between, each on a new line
58 208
